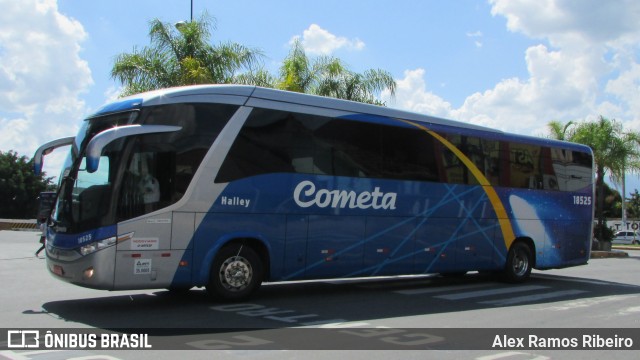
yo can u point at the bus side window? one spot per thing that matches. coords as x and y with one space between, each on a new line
348 148
269 142
408 154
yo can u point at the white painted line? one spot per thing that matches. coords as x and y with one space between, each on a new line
585 303
490 292
584 281
439 289
629 311
531 298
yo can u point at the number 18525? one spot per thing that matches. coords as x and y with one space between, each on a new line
581 200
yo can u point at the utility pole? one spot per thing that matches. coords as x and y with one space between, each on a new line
624 198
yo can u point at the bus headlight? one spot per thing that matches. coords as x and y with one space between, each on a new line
88 273
98 245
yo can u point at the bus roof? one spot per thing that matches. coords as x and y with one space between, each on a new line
242 94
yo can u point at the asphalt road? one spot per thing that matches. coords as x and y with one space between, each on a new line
385 314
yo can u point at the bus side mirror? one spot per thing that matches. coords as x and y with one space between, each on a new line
98 143
45 149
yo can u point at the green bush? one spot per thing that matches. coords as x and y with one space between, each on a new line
607 232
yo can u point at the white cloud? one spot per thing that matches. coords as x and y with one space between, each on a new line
411 94
558 87
595 43
41 74
589 68
626 87
112 94
12 131
569 23
317 40
477 36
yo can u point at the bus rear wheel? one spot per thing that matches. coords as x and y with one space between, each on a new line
519 263
236 273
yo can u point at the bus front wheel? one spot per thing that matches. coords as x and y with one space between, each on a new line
519 263
236 273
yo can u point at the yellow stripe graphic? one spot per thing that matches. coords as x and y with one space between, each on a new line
498 207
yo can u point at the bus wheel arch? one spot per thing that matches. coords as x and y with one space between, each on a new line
238 269
521 259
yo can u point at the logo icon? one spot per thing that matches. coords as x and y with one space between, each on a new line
23 339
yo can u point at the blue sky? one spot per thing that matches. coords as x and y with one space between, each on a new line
507 64
457 42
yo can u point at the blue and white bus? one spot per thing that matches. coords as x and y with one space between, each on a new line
226 187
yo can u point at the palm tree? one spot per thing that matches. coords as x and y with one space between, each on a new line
345 84
298 73
260 77
325 76
614 151
181 55
560 131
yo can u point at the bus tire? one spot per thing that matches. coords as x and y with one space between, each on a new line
236 273
519 263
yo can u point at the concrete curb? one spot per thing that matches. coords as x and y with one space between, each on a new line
609 254
18 225
625 247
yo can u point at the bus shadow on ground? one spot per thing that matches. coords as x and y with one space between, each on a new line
322 303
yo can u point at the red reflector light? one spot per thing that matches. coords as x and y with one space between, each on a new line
136 255
58 270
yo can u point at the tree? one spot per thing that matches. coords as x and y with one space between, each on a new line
20 187
560 131
324 76
612 205
298 73
614 151
357 87
181 55
633 209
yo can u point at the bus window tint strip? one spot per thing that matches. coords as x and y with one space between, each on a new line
274 141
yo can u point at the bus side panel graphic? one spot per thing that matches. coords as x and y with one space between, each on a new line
433 227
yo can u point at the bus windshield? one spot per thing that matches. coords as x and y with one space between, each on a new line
137 174
83 198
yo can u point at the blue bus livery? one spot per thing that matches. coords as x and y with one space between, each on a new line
225 187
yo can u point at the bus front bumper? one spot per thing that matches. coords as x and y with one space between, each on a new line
95 271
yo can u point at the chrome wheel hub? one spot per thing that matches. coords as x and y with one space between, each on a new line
520 264
236 273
